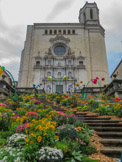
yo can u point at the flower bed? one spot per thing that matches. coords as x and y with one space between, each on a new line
32 131
102 104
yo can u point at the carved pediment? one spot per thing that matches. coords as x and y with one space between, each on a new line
59 38
80 58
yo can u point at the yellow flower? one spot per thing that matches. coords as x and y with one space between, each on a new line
45 134
39 139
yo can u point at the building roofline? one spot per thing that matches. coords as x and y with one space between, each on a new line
116 68
87 3
56 24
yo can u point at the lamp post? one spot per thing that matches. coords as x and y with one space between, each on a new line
1 70
58 84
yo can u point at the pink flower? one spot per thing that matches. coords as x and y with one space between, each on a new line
2 104
37 101
31 114
76 139
94 81
82 143
5 146
103 79
32 98
97 78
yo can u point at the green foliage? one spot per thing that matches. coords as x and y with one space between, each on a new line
68 132
83 108
87 130
30 152
86 159
78 123
62 146
88 150
93 104
2 141
74 157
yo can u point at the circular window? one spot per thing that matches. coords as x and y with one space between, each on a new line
59 50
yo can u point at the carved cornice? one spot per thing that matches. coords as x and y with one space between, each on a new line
59 38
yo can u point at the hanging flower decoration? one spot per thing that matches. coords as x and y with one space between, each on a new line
94 81
49 78
81 82
103 79
1 69
65 77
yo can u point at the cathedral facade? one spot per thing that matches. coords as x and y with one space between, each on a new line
75 50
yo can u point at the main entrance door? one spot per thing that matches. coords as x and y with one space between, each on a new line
59 88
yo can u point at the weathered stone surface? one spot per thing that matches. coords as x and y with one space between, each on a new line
84 58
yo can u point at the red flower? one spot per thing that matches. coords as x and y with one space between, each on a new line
97 78
117 99
94 81
103 79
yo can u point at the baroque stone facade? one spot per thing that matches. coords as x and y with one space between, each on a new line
57 49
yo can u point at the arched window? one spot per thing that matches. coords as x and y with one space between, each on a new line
64 31
68 31
69 62
59 32
91 14
73 31
37 62
80 62
50 31
48 88
59 74
46 32
55 31
49 62
69 74
48 73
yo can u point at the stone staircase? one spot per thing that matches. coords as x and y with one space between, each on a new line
109 130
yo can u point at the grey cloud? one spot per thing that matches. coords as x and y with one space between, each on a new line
59 8
11 43
113 16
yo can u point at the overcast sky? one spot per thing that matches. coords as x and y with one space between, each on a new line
15 15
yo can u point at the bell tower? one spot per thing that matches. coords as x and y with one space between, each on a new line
89 14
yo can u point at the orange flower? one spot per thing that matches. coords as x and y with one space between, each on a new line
31 142
76 84
57 137
81 82
79 128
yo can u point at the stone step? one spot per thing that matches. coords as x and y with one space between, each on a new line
112 152
105 125
93 118
102 121
114 135
81 113
112 142
108 129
